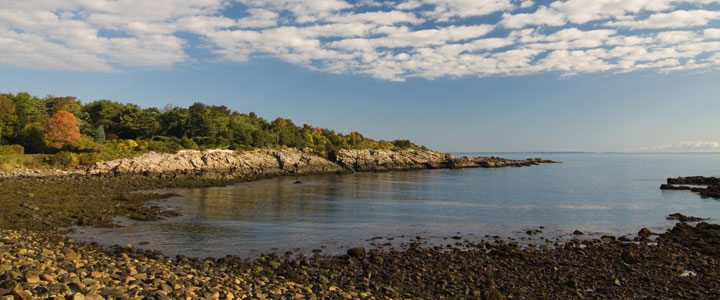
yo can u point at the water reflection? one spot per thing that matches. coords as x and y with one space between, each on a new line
614 194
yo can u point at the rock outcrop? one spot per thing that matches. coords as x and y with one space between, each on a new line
411 159
694 184
242 164
388 160
261 163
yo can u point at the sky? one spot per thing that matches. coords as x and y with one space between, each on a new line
455 75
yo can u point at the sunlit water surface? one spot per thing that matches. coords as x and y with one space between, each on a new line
596 193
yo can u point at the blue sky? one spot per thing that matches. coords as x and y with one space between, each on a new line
485 75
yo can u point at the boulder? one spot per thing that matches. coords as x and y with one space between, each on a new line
644 233
356 252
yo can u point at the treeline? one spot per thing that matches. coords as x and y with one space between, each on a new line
64 124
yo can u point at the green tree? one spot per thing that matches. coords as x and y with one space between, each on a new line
29 110
287 134
135 122
8 117
103 113
100 134
174 122
209 125
69 104
30 127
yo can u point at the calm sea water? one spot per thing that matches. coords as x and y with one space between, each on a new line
597 193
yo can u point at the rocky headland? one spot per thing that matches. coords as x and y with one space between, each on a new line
262 163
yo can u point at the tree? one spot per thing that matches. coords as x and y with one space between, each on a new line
100 134
31 123
29 109
174 121
8 116
208 121
104 113
135 122
69 104
62 129
287 134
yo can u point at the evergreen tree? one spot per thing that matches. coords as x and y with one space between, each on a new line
100 134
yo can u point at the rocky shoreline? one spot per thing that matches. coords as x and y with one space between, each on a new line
263 163
38 261
683 262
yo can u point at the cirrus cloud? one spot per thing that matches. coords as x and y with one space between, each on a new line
390 40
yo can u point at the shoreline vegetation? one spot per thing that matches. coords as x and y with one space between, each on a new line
64 133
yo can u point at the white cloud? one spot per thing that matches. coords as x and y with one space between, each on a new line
712 33
675 37
259 18
675 19
700 146
445 10
542 16
583 11
377 17
390 40
527 4
304 11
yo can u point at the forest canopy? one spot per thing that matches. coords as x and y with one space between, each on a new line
65 124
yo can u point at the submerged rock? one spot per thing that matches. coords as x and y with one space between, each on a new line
683 218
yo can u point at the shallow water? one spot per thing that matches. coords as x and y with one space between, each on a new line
599 193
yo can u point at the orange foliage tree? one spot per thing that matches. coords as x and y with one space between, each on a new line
62 129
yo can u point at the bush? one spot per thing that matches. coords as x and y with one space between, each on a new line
64 159
113 149
205 142
188 144
164 144
403 144
90 158
25 161
239 147
383 144
85 144
12 150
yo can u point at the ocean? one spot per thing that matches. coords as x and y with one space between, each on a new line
597 193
